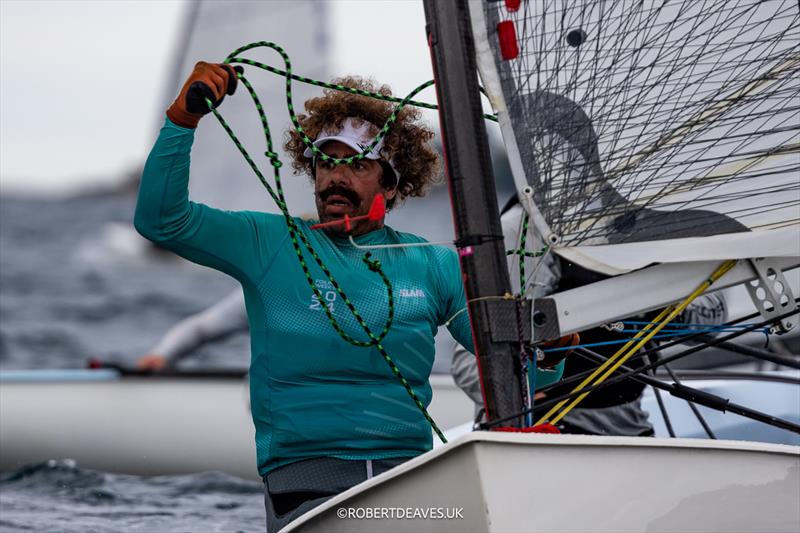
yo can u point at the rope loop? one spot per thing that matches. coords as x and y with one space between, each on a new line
296 233
373 265
273 159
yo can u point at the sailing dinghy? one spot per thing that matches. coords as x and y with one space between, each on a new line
651 143
654 143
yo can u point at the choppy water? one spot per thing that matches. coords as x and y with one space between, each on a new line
73 284
59 496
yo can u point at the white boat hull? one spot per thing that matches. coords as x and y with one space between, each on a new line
568 483
147 425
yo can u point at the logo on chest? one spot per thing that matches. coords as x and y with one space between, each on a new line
329 296
410 293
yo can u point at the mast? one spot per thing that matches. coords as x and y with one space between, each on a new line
495 323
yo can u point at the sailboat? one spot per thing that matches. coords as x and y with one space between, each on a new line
656 144
650 142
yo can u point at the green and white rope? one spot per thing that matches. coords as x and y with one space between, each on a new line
296 235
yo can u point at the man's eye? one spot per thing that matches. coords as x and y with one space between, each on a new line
326 165
358 165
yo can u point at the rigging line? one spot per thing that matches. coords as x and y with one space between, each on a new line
403 245
597 358
757 353
686 373
523 236
660 401
697 204
591 219
318 83
649 200
725 172
607 364
746 328
729 203
670 171
701 196
508 296
698 415
703 210
640 231
674 357
526 253
657 174
688 329
782 171
693 396
660 99
664 414
710 185
745 212
542 261
619 341
756 120
621 356
716 109
628 375
724 199
781 100
777 225
714 67
624 91
689 325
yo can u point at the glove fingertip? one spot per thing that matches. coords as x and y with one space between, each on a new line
196 98
232 78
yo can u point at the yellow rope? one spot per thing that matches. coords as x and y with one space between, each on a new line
619 358
610 361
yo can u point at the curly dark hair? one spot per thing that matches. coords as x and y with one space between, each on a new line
407 143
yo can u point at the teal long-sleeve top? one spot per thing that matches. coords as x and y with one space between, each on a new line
312 393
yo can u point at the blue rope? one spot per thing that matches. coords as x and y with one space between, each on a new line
681 324
623 341
686 331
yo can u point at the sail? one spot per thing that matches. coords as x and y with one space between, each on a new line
220 175
650 132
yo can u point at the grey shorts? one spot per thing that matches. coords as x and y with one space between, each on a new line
294 489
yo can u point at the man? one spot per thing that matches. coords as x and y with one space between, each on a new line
327 414
614 410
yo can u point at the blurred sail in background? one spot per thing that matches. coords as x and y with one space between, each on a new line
220 175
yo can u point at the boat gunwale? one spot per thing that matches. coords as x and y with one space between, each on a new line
477 437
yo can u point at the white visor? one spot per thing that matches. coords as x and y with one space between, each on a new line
357 138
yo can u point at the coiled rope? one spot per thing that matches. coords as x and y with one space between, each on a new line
296 235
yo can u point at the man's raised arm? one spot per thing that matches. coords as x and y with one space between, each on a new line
223 240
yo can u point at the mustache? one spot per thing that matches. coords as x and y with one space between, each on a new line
338 190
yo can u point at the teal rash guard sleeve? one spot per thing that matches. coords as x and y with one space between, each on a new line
231 242
312 393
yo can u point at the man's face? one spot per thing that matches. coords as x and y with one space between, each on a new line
348 189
